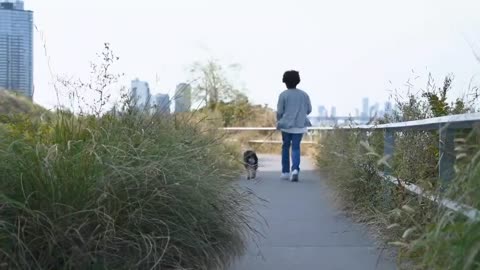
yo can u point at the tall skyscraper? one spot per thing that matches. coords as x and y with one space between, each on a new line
183 98
161 103
140 93
16 47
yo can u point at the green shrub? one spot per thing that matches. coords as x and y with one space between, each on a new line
451 241
430 236
117 192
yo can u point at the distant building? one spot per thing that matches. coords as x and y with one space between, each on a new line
365 109
18 4
183 98
160 103
333 112
322 111
16 47
140 94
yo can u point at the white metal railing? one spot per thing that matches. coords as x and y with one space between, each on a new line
453 121
278 141
446 126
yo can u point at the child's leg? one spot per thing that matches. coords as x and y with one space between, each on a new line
287 139
296 152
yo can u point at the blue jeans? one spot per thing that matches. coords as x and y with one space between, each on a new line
293 140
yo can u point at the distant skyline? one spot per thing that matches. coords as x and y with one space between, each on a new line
367 110
344 50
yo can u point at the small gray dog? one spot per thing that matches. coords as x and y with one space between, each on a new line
250 161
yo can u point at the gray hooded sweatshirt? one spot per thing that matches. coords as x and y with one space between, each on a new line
292 110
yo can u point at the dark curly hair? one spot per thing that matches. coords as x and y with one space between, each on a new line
291 78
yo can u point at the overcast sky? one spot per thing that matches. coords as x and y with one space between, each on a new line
344 50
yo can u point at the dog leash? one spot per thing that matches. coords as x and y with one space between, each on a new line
270 135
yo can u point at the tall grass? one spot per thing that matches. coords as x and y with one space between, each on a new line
452 241
117 192
429 236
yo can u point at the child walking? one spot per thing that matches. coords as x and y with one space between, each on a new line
293 109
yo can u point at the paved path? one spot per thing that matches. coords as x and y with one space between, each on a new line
305 230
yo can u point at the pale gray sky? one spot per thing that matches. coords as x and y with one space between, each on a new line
345 50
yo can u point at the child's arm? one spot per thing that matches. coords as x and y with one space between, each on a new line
280 107
309 105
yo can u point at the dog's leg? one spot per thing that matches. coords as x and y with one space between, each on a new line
252 172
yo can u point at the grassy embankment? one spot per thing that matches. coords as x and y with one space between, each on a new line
429 236
127 191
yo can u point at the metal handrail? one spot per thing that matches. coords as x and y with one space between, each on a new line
453 121
446 126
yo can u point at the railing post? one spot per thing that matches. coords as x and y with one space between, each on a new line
447 157
388 151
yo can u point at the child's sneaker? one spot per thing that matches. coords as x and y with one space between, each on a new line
285 176
294 177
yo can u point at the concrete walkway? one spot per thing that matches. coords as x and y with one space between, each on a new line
305 230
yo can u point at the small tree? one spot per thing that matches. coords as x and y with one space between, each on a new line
212 86
437 99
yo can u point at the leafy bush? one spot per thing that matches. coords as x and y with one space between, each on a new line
224 104
433 237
